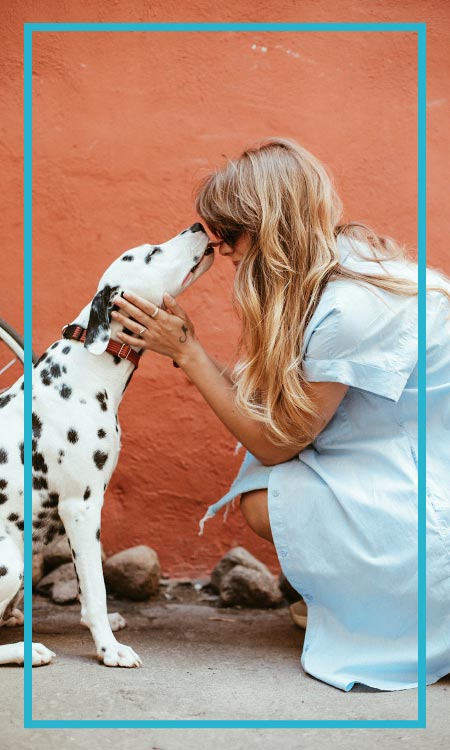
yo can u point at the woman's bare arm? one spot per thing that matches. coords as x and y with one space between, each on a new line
218 391
172 334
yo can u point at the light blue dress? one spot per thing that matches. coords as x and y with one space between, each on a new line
343 513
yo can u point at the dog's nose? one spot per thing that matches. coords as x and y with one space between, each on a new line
197 228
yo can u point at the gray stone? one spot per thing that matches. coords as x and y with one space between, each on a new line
249 587
133 573
57 553
61 584
65 592
235 556
38 567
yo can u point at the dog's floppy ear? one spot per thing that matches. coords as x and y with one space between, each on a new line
99 326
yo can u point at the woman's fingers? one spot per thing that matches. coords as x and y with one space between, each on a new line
131 340
132 325
173 307
137 307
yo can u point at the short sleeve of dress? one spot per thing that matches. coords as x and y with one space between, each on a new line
364 337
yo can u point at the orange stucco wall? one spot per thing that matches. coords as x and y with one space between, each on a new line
124 123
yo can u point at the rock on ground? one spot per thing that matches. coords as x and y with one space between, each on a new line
133 573
60 585
242 579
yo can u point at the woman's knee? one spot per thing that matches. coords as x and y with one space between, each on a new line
254 507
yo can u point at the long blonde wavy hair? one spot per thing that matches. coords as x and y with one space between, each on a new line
283 199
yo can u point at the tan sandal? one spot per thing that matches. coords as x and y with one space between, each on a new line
299 613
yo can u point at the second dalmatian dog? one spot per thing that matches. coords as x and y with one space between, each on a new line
78 384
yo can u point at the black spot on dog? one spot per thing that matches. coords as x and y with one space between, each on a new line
72 436
4 400
60 456
66 350
100 459
103 649
61 530
45 377
53 346
55 371
4 456
117 360
40 483
3 570
65 391
37 524
97 535
50 534
101 433
87 493
19 525
39 463
64 369
148 257
36 425
52 500
42 514
128 258
3 498
102 397
21 386
13 517
3 484
74 554
21 452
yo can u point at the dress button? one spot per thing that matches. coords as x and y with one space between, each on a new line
275 493
282 552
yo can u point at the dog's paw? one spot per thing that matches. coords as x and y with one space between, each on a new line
117 655
15 618
40 654
116 621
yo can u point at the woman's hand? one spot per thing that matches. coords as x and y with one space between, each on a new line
170 333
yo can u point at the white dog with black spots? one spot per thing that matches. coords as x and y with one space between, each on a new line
77 389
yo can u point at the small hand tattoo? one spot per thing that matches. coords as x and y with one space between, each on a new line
185 331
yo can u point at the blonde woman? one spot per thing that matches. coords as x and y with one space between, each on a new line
323 396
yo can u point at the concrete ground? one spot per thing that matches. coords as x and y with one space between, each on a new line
200 662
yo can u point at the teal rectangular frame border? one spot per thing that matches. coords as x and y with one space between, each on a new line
420 30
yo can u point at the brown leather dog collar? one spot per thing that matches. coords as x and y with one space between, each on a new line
124 351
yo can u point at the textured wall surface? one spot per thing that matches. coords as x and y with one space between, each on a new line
125 123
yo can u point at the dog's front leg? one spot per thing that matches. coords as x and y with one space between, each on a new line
81 519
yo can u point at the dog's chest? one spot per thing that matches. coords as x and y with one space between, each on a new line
75 441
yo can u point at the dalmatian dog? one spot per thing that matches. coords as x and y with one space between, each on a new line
78 384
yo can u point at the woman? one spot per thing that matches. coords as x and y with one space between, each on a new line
324 399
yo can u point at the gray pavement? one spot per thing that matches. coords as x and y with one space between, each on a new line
200 662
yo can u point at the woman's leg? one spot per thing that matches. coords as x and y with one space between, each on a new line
254 507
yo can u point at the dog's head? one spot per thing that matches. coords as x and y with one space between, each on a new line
149 271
